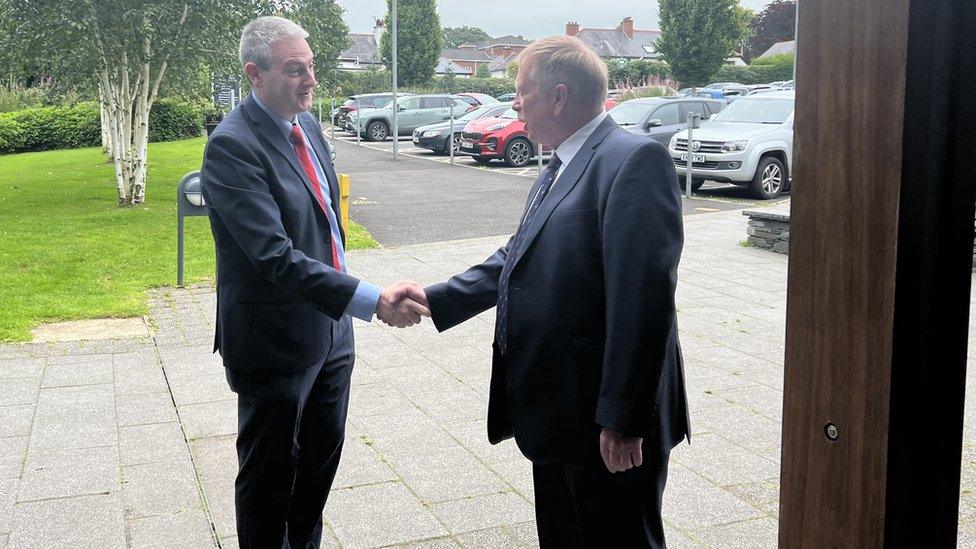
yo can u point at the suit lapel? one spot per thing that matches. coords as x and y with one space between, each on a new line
565 183
271 133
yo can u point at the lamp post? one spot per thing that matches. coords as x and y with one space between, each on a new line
189 202
396 104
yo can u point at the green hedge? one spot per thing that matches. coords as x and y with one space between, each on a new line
172 119
70 127
761 71
45 128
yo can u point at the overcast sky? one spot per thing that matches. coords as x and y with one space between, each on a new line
530 18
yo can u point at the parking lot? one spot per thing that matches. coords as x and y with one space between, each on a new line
721 194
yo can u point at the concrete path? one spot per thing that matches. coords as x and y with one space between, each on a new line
130 443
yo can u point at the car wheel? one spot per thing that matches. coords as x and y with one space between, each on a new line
696 182
769 179
484 160
377 131
456 143
518 152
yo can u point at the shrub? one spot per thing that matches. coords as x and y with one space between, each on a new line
69 127
45 128
172 119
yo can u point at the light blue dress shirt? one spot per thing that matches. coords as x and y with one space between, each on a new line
364 300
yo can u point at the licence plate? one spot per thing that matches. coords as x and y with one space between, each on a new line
416 139
694 157
468 145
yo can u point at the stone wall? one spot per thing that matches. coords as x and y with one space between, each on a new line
769 231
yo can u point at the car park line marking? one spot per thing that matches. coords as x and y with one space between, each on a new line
700 209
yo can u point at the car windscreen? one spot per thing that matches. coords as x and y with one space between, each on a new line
630 113
756 110
480 112
510 113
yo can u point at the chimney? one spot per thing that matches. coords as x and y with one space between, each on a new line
378 29
627 25
572 28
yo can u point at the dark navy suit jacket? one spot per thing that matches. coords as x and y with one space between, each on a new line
592 332
277 290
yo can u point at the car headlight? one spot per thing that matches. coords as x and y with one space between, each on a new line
496 127
673 142
734 146
431 133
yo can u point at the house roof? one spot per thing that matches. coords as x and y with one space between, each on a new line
445 65
616 43
465 54
502 62
362 47
507 40
787 46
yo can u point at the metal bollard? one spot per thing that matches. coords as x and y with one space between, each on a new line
450 135
358 127
344 202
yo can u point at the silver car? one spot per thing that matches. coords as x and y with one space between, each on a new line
414 111
749 143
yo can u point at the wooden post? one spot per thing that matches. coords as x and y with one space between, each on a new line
880 273
344 202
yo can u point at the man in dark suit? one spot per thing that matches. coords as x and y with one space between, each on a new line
284 297
586 373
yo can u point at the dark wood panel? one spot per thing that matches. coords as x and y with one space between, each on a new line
848 146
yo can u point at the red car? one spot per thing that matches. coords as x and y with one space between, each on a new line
501 137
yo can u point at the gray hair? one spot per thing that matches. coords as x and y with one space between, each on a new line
566 60
259 35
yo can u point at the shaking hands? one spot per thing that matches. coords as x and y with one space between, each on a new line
402 304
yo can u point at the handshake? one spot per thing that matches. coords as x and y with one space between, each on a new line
402 304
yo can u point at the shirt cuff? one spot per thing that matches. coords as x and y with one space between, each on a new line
363 302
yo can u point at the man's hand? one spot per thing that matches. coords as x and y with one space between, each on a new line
620 452
402 304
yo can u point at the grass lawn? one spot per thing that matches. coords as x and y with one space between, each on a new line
67 251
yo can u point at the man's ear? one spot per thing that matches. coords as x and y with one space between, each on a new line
253 73
560 98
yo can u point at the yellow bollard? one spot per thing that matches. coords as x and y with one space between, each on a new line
344 202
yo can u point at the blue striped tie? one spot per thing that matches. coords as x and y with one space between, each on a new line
539 190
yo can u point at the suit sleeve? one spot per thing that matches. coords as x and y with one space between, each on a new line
467 294
642 241
234 184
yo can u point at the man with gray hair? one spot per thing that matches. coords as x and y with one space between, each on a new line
284 295
586 370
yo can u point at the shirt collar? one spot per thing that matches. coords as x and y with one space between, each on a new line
572 145
283 123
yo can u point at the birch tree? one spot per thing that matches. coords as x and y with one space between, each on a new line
128 47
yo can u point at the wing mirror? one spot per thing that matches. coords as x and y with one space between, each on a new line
652 123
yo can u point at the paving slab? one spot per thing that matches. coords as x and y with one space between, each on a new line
89 522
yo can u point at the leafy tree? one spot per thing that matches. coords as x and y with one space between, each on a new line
697 36
512 70
776 23
418 40
328 35
453 37
125 49
483 71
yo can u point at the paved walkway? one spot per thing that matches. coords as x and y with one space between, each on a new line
130 442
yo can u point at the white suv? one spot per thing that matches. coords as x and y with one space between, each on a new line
749 143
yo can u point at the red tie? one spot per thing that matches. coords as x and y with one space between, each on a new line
306 160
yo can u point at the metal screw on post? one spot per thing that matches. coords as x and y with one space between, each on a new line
450 136
693 122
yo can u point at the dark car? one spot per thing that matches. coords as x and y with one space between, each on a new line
661 117
435 136
506 97
340 116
